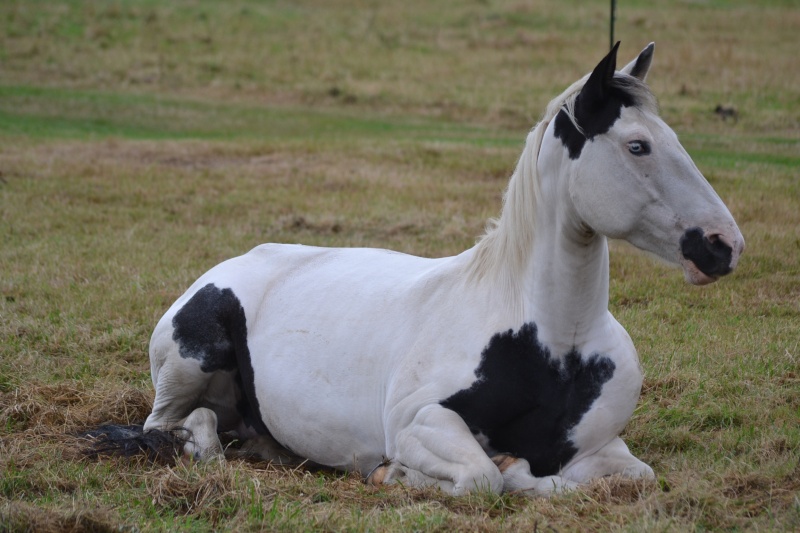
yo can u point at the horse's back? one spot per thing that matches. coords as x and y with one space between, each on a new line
276 271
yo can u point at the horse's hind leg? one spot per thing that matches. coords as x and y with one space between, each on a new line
180 385
199 432
183 381
194 360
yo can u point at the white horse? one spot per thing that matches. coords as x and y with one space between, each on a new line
498 369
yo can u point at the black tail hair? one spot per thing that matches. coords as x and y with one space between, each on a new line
131 440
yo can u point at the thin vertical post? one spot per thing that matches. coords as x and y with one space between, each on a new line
613 18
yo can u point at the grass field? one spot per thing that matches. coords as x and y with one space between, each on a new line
143 142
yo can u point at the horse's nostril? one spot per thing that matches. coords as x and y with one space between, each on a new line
715 242
691 242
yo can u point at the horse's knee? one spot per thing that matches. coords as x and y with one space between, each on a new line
481 478
638 470
478 475
179 385
199 431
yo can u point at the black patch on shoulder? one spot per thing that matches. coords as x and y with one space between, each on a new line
212 328
594 118
526 402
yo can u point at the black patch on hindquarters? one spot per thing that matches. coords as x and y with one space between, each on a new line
206 325
526 402
212 328
712 257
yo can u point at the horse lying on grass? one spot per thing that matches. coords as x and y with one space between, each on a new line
498 369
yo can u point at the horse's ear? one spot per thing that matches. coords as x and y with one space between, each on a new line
641 65
596 87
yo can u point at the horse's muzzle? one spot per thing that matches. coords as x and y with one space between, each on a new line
709 255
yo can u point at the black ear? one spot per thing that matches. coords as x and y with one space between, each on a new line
597 86
597 107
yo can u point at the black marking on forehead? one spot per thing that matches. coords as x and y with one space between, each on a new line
526 401
212 328
594 117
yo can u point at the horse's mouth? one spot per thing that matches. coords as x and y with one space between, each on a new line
694 275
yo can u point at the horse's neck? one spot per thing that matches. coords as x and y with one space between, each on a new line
566 285
539 264
566 294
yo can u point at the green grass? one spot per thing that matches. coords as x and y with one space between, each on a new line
39 112
143 142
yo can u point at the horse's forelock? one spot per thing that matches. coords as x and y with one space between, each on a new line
635 90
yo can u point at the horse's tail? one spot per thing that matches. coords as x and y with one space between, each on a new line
131 440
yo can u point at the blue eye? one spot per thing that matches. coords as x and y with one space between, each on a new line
639 147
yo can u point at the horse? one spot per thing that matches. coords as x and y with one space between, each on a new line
498 369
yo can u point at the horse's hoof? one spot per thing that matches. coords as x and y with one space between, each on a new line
378 475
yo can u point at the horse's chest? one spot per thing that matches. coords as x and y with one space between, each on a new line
527 402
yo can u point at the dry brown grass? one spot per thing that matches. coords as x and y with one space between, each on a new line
22 517
67 408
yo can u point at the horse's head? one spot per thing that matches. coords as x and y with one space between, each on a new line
630 178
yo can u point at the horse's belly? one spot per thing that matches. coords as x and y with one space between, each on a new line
322 402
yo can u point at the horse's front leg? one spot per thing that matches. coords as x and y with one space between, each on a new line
517 477
613 458
438 449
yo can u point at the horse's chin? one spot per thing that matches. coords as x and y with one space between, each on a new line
694 275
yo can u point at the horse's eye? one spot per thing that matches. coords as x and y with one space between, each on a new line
639 147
